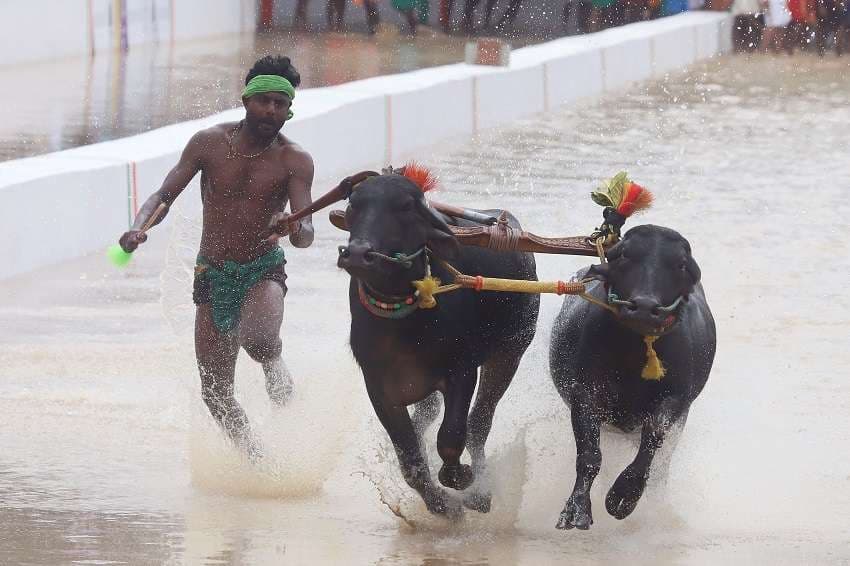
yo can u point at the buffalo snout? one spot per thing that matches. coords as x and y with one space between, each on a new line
357 254
645 313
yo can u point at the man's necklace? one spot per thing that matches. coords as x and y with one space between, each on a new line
232 153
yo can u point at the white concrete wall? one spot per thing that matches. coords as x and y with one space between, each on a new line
67 28
90 193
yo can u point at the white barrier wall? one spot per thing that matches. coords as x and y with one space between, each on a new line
89 194
69 28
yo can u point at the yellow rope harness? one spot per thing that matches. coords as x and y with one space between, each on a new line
429 286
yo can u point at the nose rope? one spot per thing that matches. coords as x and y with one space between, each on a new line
405 260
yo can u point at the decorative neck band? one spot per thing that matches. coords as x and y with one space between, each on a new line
391 307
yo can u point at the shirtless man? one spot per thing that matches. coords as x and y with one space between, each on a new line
248 173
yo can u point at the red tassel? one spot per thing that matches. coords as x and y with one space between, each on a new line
635 199
420 175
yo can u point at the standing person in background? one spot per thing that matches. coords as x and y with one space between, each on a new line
249 172
829 16
795 33
673 7
580 10
776 19
842 35
335 13
747 29
635 11
602 14
416 12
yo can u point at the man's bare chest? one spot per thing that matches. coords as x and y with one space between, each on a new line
241 178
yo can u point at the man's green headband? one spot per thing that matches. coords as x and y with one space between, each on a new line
269 83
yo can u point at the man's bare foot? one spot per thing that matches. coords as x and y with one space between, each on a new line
251 446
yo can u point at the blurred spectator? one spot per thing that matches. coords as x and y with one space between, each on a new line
672 7
843 33
415 12
830 15
798 33
580 10
776 19
602 14
299 20
335 14
748 26
635 11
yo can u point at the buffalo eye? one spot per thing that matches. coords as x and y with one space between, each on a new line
407 206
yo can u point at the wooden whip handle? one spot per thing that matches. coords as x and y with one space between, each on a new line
154 217
336 194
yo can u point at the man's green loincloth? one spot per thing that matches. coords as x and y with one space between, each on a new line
230 282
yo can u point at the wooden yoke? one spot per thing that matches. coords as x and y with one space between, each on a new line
502 237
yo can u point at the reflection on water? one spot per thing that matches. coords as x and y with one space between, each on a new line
113 95
109 454
36 536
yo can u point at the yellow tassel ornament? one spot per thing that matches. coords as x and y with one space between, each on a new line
427 287
654 369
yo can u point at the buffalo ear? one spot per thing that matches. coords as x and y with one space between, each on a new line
440 238
599 272
444 245
693 270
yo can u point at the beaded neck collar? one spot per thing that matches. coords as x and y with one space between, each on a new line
386 307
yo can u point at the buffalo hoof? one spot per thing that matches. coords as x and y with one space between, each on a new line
477 501
457 477
576 514
438 502
625 493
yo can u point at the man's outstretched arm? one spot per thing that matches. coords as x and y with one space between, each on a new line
176 180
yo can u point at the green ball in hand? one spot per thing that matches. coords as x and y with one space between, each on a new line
118 256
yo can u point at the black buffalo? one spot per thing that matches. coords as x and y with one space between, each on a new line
408 354
597 357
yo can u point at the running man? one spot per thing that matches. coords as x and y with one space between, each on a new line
249 171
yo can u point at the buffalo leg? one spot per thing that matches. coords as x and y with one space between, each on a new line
414 468
623 496
586 422
451 439
496 376
425 412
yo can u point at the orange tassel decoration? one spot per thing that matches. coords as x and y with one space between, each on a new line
635 199
421 175
621 194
